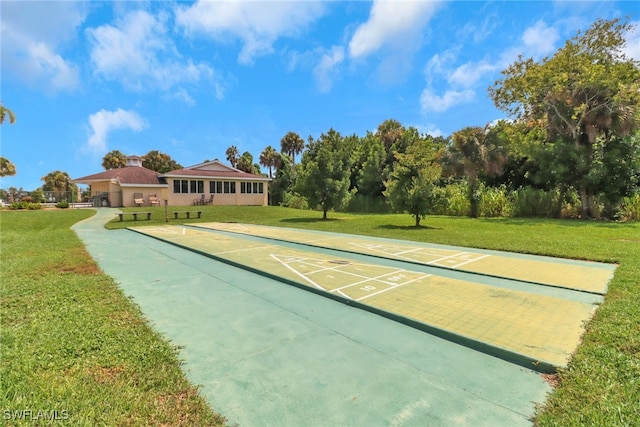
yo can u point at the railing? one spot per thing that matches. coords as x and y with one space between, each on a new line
104 199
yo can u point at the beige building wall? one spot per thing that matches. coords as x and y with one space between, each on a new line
220 199
128 192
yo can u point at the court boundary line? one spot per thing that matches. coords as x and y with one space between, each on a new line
409 261
511 356
364 279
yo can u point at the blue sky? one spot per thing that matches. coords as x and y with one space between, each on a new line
192 78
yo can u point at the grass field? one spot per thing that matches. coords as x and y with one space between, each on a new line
73 349
600 387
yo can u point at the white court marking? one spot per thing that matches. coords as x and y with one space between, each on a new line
390 253
389 280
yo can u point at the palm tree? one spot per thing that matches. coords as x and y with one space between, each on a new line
389 132
292 144
232 155
269 158
245 162
474 152
56 181
114 160
5 114
6 167
60 183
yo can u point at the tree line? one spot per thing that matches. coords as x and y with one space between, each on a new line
570 147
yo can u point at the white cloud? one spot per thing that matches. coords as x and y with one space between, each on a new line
391 23
325 71
438 65
105 121
429 101
429 129
632 49
257 24
468 74
30 43
395 23
540 39
463 80
139 53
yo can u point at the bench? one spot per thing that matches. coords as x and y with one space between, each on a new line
187 214
135 215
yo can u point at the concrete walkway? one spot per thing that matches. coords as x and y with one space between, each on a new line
267 353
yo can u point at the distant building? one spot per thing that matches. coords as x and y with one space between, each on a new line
182 187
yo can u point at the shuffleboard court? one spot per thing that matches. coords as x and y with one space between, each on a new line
535 330
264 353
572 274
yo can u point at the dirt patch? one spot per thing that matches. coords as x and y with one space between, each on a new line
552 379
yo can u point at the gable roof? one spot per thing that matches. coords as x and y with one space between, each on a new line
214 169
129 175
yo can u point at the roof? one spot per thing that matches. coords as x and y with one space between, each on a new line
227 174
138 175
214 169
128 175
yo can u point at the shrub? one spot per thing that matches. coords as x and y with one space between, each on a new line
451 200
25 205
62 204
295 201
367 204
629 210
495 202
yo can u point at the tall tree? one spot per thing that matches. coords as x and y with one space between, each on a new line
6 167
324 175
245 164
114 160
232 155
413 178
269 158
587 91
474 151
284 179
159 162
372 163
390 131
56 181
292 144
60 183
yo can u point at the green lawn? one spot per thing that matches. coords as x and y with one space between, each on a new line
600 387
72 347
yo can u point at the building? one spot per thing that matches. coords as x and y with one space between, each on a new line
183 187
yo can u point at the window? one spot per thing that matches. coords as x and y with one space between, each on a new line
252 187
185 186
245 187
196 186
219 187
180 186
